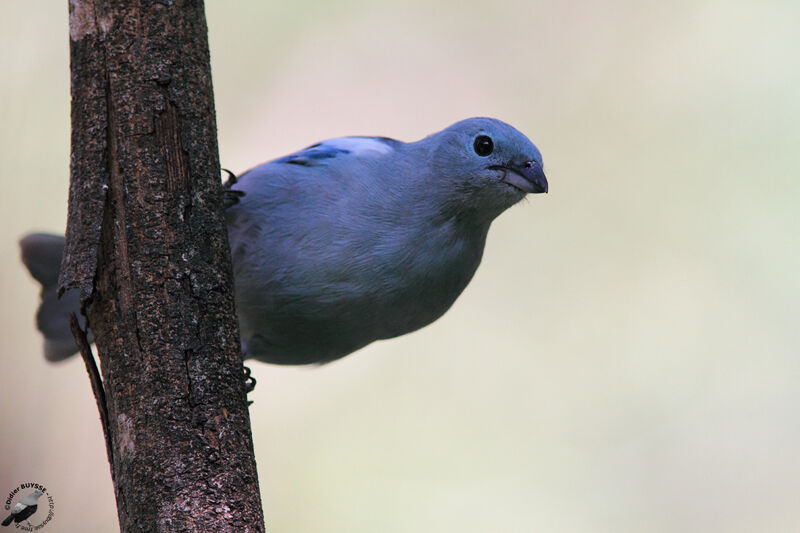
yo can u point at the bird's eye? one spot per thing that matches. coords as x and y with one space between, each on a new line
483 145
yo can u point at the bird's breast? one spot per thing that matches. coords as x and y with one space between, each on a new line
424 282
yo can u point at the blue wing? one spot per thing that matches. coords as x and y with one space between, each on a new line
307 156
334 148
341 151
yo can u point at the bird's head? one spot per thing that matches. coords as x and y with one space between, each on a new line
486 166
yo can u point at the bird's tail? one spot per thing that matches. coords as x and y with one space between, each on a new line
8 520
41 254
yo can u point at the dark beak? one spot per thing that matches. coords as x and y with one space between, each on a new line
528 177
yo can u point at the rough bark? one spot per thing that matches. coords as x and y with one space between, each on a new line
148 251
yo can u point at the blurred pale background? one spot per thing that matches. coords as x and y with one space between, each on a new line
626 358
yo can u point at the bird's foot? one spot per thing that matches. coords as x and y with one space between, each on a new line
230 197
232 179
249 382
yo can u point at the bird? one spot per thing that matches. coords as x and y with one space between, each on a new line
347 241
24 508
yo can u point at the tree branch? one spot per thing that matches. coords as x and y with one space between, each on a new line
147 249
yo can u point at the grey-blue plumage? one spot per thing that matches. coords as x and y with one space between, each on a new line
357 239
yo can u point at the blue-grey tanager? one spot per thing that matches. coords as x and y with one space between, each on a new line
347 241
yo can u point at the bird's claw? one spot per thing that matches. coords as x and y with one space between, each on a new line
230 197
232 179
249 382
